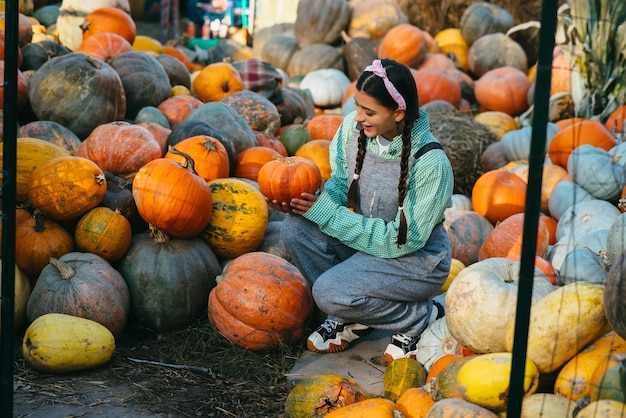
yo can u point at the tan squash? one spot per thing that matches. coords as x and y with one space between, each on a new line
547 405
561 324
59 343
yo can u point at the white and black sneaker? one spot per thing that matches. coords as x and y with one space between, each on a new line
334 336
403 346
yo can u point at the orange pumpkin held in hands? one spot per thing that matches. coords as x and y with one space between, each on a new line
285 178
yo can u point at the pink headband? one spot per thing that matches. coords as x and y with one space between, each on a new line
378 69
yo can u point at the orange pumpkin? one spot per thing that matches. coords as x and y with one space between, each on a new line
498 194
270 142
405 43
318 152
177 108
36 240
588 131
415 402
216 81
120 147
435 84
439 365
172 197
109 19
561 78
437 60
159 132
324 126
506 238
504 89
285 178
65 188
103 232
617 118
250 161
105 46
178 54
261 302
209 156
372 407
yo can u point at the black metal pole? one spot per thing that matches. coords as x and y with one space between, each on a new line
533 206
9 145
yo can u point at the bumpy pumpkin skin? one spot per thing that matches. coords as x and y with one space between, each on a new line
238 218
169 280
260 302
317 395
59 343
66 187
84 285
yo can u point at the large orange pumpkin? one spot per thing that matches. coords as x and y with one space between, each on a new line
324 126
172 197
216 81
285 178
109 19
435 84
507 237
498 194
405 43
504 89
588 131
260 302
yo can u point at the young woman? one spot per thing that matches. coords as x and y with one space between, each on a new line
372 243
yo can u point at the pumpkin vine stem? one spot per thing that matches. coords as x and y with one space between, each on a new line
282 159
39 217
189 163
158 235
65 271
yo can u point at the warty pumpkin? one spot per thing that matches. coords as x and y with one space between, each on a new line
258 111
495 50
319 394
172 197
260 302
84 285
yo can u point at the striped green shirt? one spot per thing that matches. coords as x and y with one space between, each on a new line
430 186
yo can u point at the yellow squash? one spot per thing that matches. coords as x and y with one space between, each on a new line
60 343
562 323
484 380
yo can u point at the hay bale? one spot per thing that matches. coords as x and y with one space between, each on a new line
435 15
464 140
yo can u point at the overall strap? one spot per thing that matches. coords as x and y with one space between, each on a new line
427 147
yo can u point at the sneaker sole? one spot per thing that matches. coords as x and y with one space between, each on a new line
336 348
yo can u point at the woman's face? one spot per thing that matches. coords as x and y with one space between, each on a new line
375 118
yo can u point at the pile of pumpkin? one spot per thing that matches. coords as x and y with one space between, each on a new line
142 178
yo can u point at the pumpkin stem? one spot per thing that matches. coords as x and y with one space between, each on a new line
65 271
158 235
189 164
39 220
282 159
100 179
346 38
606 261
97 64
225 88
616 158
209 145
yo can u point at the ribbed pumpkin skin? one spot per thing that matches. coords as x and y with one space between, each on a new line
55 95
458 408
261 302
169 280
109 20
320 21
66 187
238 218
59 343
103 232
105 45
415 402
402 374
317 395
94 290
172 198
285 178
211 160
31 153
36 240
120 147
145 81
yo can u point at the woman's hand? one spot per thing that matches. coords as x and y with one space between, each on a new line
297 206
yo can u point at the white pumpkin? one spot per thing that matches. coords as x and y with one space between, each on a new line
588 216
565 194
597 171
327 86
436 342
482 299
